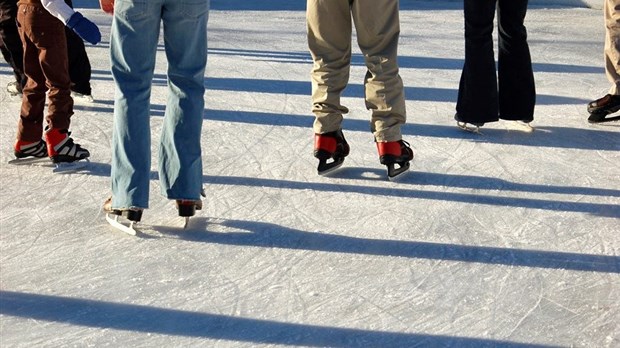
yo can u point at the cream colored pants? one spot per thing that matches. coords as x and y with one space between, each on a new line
612 44
329 39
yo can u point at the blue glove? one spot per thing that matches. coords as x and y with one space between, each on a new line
86 29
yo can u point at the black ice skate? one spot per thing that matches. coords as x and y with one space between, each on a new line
65 154
331 149
393 153
187 207
133 216
600 108
27 153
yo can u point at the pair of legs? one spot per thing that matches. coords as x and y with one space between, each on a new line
12 51
10 43
484 95
134 40
46 67
329 39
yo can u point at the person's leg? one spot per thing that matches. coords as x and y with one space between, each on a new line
329 41
180 158
478 97
46 66
517 93
378 30
79 64
30 125
10 42
612 44
133 44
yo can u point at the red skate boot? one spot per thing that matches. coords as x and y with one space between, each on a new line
392 153
330 146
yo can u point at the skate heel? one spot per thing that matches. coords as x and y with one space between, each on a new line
187 208
396 156
330 149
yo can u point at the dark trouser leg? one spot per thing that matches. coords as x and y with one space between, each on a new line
79 65
478 97
517 93
10 43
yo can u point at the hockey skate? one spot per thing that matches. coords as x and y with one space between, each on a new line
473 127
65 154
331 149
187 208
132 215
393 153
599 109
29 153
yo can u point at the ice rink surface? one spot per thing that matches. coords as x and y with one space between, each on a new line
504 239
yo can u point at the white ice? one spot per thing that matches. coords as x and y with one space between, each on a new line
503 239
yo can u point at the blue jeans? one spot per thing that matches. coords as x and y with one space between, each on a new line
133 44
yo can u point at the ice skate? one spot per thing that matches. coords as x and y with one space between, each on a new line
599 109
520 126
12 89
396 155
473 127
80 98
131 215
29 153
65 154
187 207
331 149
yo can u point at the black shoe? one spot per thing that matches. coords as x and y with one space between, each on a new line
600 108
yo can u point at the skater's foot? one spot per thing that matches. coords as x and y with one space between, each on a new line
61 148
187 208
132 214
13 88
600 108
467 125
82 98
396 155
30 149
331 149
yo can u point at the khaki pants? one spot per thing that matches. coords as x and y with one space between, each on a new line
612 44
329 39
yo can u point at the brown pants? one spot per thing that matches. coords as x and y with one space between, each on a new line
46 67
612 44
329 39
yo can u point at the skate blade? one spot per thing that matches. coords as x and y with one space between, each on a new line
395 174
597 118
519 126
113 221
185 222
29 160
70 167
468 127
326 169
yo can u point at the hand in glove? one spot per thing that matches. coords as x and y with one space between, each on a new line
86 29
